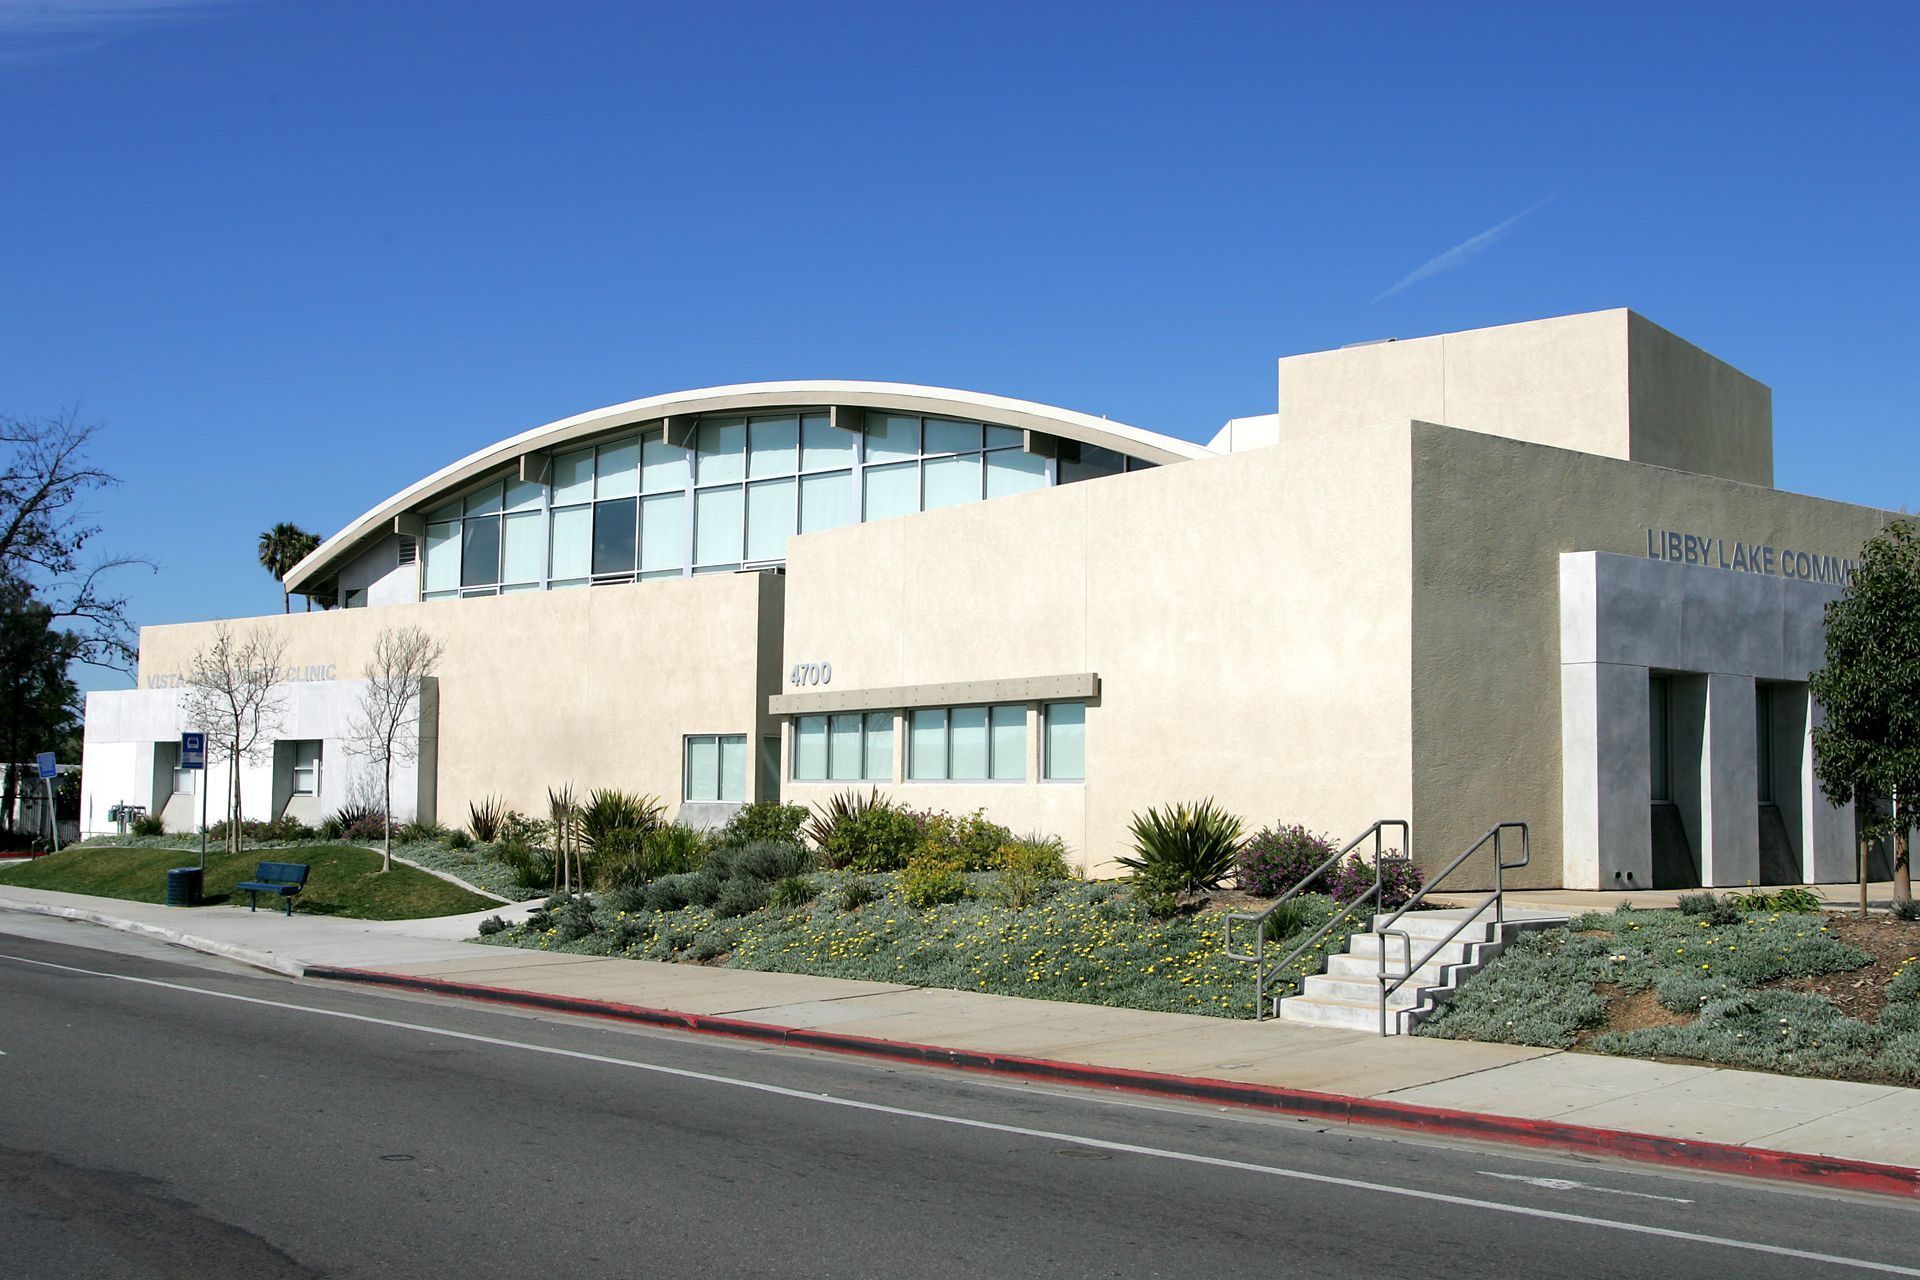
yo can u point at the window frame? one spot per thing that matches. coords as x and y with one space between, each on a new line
987 777
719 741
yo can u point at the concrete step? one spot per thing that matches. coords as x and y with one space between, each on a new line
1323 986
1368 946
1367 967
1348 1014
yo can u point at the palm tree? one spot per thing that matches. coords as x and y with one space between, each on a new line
281 548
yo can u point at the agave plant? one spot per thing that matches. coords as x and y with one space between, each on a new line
484 818
841 807
1184 848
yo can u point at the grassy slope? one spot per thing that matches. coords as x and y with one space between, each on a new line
344 881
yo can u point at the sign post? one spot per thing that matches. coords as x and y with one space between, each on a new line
48 771
193 755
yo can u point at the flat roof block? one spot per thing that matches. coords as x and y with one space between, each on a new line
1610 383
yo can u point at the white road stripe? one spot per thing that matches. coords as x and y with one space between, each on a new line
1567 1184
1046 1135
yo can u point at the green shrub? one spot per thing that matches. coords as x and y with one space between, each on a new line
931 879
1184 848
669 893
515 825
742 895
1291 917
973 839
1029 870
359 822
1714 908
1795 901
608 811
532 868
1906 909
331 828
459 840
710 945
1539 992
484 816
417 832
766 860
492 925
674 850
573 920
149 824
856 893
791 893
620 859
864 834
764 820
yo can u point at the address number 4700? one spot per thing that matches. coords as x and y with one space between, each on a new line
811 673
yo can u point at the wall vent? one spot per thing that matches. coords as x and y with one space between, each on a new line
409 550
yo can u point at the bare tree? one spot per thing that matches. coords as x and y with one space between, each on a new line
384 728
233 697
44 477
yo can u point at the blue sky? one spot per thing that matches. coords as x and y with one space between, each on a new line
295 255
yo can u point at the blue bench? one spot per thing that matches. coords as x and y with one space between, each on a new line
283 878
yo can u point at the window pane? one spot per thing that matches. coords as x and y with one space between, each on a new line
826 501
716 534
879 766
723 448
1067 740
823 445
525 495
484 502
927 744
572 543
810 749
526 543
890 436
663 466
1004 437
449 512
967 743
443 556
845 749
1092 462
663 532
617 469
1010 744
773 446
613 533
480 552
892 491
769 519
703 769
572 477
947 436
1013 471
952 481
733 767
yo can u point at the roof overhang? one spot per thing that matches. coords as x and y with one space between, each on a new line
1047 420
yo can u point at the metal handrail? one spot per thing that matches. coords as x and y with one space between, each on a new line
1496 899
1262 971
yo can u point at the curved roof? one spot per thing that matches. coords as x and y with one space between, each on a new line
743 397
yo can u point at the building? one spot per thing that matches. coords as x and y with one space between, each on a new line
1536 572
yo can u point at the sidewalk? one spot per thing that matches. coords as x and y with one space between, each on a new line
1826 1132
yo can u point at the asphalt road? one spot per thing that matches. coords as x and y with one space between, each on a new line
163 1114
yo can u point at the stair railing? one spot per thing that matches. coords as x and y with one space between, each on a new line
1496 899
1265 974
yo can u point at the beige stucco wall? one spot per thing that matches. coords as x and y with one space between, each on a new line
1490 519
1605 382
1247 618
591 686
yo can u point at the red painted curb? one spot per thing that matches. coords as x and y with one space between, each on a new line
1786 1166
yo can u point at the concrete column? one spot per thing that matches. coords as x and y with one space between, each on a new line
1689 761
1605 799
1792 758
1827 849
1729 801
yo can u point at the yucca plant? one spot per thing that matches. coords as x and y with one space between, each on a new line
484 818
841 807
1184 848
609 811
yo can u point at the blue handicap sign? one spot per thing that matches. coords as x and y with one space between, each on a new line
47 767
193 751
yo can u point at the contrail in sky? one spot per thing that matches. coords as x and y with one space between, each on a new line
33 27
1462 252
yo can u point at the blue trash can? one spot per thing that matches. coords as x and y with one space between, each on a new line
183 886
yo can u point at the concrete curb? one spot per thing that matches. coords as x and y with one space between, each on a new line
1831 1172
245 955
